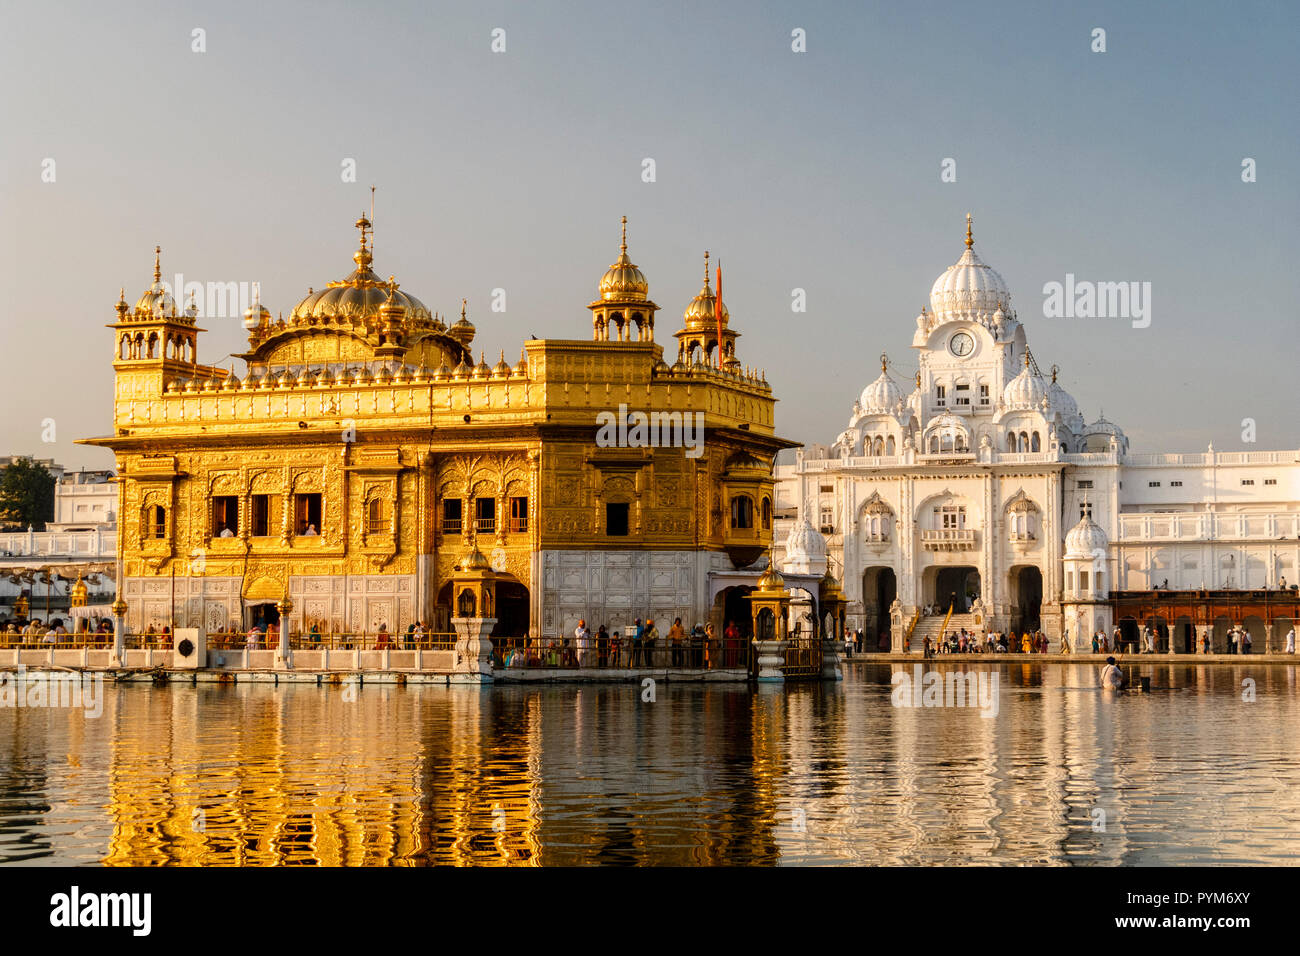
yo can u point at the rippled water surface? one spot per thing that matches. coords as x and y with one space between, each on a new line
566 774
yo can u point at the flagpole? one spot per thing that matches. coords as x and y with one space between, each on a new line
717 311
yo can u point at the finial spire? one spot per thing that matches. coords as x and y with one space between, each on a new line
1026 358
918 378
623 244
157 264
706 268
463 303
884 363
969 240
1055 369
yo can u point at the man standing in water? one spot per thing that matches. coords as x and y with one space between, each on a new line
1112 678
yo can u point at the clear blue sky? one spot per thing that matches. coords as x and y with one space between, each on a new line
817 170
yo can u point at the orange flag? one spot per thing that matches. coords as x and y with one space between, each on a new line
717 310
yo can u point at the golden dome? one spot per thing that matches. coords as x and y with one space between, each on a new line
701 311
463 329
362 295
473 561
623 281
771 580
156 301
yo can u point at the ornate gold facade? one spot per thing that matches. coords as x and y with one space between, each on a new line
363 452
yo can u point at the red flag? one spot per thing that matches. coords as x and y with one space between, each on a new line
717 309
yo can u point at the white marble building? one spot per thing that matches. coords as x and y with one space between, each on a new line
982 485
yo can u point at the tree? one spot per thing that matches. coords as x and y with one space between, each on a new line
26 495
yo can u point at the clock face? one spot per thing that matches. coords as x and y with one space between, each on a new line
961 344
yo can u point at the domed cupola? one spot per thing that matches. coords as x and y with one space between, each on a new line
882 395
623 281
1064 403
1085 539
361 318
256 315
156 302
969 289
1025 391
805 549
698 338
623 301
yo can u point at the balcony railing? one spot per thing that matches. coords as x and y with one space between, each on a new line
948 539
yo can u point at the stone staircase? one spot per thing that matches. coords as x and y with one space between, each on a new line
932 627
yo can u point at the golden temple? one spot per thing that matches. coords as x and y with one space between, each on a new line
364 452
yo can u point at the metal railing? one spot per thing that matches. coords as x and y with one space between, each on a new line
309 641
608 654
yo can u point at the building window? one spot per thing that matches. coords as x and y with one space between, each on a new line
1035 444
1083 580
767 514
940 396
1085 510
375 522
1086 483
157 522
451 515
828 521
1248 481
616 513
951 517
306 511
1175 484
826 489
518 515
1270 481
962 394
485 515
984 394
260 515
225 516
742 512
1153 484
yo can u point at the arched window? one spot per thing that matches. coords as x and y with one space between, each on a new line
465 604
124 347
767 514
1024 442
934 444
889 445
1011 441
157 522
375 516
152 344
742 512
1034 443
878 447
1065 449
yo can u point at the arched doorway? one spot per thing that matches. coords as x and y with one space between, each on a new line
958 586
512 609
732 606
262 614
1183 636
879 591
1026 598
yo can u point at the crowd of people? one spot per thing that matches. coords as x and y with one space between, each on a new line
993 642
641 645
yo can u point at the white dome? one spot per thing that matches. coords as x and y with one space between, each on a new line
1063 401
1103 427
969 287
1085 539
882 395
1026 390
805 549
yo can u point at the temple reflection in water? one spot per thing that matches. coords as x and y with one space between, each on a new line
264 775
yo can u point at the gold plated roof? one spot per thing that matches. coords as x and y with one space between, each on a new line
623 281
701 310
360 296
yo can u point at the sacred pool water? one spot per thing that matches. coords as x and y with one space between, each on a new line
1203 768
